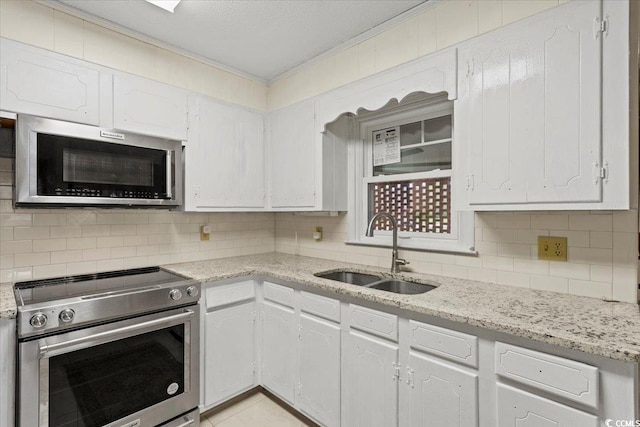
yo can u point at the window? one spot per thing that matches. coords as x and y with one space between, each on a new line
403 165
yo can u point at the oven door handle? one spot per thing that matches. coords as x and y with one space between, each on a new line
114 334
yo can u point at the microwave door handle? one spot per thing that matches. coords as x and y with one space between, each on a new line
53 349
169 173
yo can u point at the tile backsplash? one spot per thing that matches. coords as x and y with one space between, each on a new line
602 250
39 243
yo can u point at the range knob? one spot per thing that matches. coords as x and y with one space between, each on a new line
175 294
38 320
66 315
192 291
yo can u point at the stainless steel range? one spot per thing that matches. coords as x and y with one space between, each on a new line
117 349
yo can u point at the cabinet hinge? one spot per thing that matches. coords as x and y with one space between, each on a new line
196 192
600 173
410 377
253 317
300 332
600 26
470 68
470 182
299 387
253 369
396 372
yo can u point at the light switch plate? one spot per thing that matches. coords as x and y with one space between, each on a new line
552 248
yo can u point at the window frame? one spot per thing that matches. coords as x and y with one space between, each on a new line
461 239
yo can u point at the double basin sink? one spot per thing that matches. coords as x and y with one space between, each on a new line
376 282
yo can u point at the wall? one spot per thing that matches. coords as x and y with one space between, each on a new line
42 26
42 243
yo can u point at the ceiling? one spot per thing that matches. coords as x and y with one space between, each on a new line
262 38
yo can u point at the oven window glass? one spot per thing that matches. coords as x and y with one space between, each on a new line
101 384
71 167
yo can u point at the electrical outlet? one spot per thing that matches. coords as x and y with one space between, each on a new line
317 235
552 248
205 232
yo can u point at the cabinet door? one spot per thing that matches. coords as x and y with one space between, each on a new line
319 379
517 408
278 350
148 107
229 352
530 108
370 388
48 85
440 394
225 158
293 156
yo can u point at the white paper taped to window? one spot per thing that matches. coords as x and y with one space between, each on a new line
386 146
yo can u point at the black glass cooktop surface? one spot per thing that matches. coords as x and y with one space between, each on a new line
86 285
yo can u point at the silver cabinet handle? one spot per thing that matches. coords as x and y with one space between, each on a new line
188 423
127 330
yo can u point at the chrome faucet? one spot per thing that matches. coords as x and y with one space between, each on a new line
396 263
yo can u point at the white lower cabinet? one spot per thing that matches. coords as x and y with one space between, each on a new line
521 409
278 350
319 373
230 352
370 388
439 394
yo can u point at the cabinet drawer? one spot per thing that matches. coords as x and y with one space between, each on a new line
452 345
516 407
218 296
278 293
375 322
328 308
562 377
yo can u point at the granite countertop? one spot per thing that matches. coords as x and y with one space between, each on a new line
590 325
609 329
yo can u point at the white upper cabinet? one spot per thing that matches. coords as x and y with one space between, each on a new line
529 116
291 156
41 83
224 160
148 107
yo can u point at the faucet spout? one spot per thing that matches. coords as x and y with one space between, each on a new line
395 261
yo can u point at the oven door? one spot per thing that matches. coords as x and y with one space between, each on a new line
135 372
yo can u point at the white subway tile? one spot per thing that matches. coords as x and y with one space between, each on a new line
550 221
468 261
514 250
84 267
81 243
531 266
6 233
503 235
486 219
520 280
30 233
548 283
15 220
123 230
15 247
81 217
569 270
487 248
529 237
136 218
625 284
6 261
28 260
49 245
66 231
49 271
483 274
64 257
601 239
455 271
602 273
497 263
96 254
46 219
110 264
95 230
590 289
109 218
625 221
575 239
591 222
625 249
590 256
109 242
513 220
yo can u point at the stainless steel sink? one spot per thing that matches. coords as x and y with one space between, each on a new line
376 282
353 278
401 287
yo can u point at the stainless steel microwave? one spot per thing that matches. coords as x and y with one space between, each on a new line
68 164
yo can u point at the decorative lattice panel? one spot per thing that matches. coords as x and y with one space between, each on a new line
422 205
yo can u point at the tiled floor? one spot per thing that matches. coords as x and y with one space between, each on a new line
257 410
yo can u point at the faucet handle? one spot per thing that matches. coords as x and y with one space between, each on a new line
401 261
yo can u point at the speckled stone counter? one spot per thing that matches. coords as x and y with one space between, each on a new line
587 324
7 301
